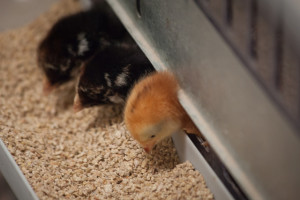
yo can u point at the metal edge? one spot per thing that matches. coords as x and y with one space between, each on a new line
187 151
139 37
14 176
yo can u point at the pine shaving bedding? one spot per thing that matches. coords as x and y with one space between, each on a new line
78 156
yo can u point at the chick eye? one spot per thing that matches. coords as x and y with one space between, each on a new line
152 136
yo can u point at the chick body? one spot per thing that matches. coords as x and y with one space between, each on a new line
74 39
108 77
153 112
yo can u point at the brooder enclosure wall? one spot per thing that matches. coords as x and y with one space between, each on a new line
238 67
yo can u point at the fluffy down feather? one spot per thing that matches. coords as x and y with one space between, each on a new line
153 112
108 77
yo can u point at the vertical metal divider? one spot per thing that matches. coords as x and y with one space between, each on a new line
278 51
228 11
253 29
274 90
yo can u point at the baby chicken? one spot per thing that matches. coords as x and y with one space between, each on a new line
153 112
109 75
74 39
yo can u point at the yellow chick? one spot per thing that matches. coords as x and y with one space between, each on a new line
153 112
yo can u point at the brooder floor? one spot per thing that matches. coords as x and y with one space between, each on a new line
78 156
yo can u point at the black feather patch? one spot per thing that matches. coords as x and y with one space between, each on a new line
108 77
75 38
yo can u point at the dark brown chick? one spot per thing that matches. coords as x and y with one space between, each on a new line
108 77
73 40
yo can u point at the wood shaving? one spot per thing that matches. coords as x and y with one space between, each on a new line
78 156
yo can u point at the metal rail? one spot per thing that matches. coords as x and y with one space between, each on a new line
14 176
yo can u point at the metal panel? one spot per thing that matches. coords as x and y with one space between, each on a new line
13 175
240 120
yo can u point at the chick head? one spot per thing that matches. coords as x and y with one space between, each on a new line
152 112
56 64
96 84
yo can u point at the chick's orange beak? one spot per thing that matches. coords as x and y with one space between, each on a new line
77 106
147 149
47 86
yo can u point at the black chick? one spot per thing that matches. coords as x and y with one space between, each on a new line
108 77
74 39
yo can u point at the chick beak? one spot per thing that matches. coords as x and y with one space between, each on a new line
77 106
149 146
47 87
147 149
